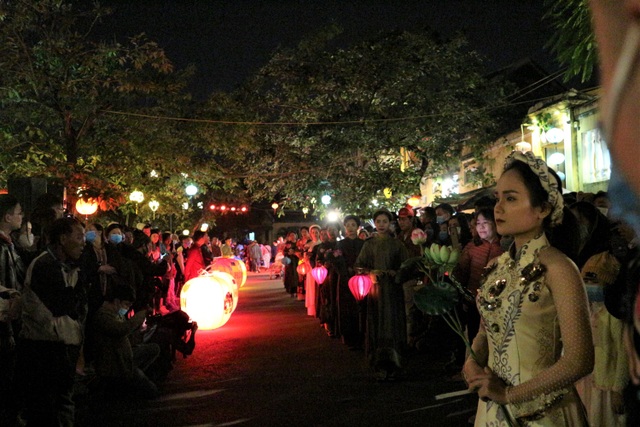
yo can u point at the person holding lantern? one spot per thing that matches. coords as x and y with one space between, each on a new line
534 341
386 331
309 282
347 307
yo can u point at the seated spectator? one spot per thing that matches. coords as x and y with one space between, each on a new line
120 366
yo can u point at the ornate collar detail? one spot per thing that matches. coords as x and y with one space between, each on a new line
525 261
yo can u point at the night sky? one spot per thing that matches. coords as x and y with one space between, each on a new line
229 40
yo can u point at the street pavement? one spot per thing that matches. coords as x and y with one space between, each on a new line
272 365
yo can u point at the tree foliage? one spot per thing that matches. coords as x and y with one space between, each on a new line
60 90
347 113
573 41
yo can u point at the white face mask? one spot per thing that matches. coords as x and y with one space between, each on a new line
604 211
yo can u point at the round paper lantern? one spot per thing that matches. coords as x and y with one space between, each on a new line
302 269
232 282
360 285
87 207
233 266
319 273
208 300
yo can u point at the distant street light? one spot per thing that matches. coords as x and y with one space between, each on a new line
191 190
137 197
154 205
326 199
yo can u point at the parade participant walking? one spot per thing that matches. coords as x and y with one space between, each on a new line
535 340
347 311
54 310
406 225
386 335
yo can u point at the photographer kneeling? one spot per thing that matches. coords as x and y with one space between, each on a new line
121 366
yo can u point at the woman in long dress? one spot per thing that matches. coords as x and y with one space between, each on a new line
309 282
386 333
535 340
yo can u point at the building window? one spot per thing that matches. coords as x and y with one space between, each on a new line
595 162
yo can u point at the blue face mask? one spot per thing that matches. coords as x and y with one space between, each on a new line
439 219
443 235
122 312
90 236
115 238
595 292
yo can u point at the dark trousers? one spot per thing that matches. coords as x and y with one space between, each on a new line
47 371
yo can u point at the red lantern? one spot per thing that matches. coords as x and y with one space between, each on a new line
234 267
208 300
360 285
319 274
302 269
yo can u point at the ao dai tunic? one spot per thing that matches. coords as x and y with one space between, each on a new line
386 320
523 337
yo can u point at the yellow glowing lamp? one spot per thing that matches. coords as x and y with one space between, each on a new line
236 268
414 201
87 207
208 300
387 193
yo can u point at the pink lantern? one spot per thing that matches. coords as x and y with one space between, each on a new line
302 269
360 285
233 266
319 273
208 300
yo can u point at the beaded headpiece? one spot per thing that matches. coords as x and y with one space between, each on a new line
548 181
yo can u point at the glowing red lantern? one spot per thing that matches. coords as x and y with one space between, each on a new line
360 285
208 300
302 269
234 267
319 273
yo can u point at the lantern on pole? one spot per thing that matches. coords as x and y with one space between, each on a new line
137 197
154 205
274 206
360 285
319 273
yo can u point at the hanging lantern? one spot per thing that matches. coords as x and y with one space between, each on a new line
360 285
302 269
87 207
319 273
208 300
236 268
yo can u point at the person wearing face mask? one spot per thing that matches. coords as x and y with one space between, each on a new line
444 211
121 367
617 31
103 266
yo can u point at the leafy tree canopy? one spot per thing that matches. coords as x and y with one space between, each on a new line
347 114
